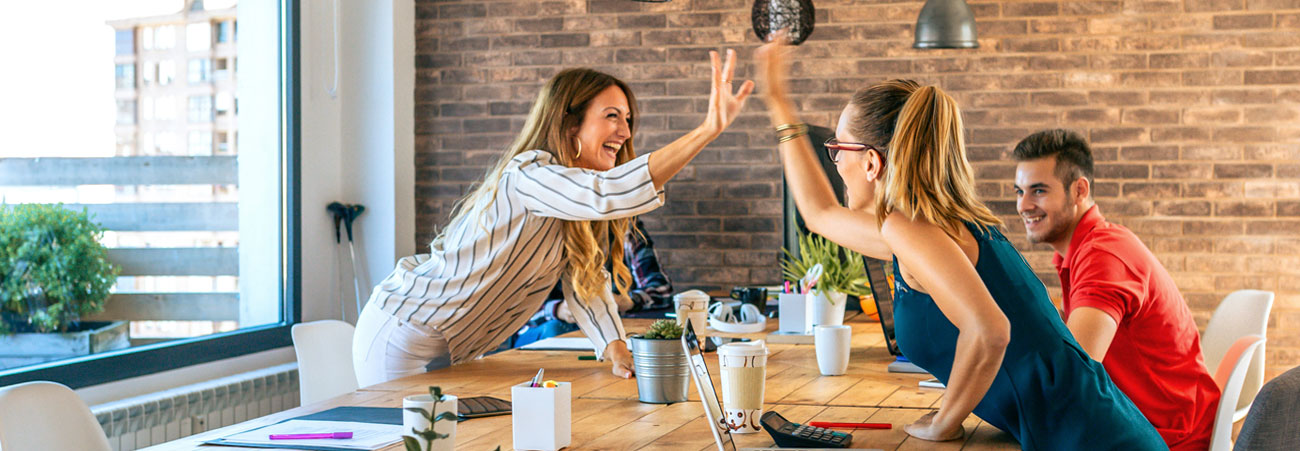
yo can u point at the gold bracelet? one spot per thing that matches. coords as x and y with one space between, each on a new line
791 137
797 126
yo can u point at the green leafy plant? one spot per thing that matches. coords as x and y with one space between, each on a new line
413 444
664 329
842 269
52 268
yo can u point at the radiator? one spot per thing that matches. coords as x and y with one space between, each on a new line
155 418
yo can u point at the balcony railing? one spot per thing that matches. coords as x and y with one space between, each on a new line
151 217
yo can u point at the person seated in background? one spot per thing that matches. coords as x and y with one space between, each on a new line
650 290
1119 301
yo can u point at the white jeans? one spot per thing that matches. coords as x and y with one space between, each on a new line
386 348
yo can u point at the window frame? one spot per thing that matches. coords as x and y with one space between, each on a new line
155 358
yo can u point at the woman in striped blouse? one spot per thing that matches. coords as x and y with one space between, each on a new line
556 206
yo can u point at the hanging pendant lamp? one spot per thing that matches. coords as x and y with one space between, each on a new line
945 24
797 17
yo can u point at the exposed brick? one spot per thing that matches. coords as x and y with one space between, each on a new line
1272 77
1243 208
1241 170
1242 21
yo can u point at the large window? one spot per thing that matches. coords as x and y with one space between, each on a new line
202 228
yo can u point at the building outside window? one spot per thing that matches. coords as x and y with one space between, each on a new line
200 109
125 75
200 143
198 36
124 42
188 226
126 112
200 70
225 31
166 72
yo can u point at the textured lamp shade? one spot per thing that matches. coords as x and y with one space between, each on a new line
945 24
797 16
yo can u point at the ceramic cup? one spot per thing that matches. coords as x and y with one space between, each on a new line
832 343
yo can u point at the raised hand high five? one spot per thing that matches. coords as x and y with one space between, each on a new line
725 102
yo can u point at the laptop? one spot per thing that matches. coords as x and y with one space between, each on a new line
709 396
878 275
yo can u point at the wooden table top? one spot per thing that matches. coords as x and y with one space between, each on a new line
607 415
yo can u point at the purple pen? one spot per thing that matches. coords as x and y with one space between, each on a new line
339 435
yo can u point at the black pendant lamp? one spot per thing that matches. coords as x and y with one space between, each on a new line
797 17
945 24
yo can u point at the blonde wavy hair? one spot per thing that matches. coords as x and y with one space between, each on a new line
927 175
560 108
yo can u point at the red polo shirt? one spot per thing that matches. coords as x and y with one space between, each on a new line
1155 357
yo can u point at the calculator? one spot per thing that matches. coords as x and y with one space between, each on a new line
795 435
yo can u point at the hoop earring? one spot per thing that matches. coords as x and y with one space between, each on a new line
579 154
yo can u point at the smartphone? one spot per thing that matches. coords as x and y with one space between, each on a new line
481 406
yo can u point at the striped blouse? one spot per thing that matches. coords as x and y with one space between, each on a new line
491 272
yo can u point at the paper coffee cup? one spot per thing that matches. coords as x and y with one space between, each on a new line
744 372
693 304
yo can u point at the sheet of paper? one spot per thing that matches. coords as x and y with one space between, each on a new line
561 343
365 436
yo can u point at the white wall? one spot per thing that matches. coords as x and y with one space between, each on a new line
368 128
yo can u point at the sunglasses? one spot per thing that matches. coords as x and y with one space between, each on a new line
834 147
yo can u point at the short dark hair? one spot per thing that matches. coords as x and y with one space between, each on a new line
1073 157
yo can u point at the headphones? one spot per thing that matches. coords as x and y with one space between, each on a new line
722 319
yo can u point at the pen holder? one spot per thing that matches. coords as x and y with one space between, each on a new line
413 420
790 307
541 417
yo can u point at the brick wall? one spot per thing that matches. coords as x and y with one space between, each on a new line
1193 108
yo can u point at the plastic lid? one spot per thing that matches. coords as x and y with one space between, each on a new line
752 348
692 295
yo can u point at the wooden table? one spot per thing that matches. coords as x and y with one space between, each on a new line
607 415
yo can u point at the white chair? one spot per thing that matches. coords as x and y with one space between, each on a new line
1242 313
46 415
1231 376
324 350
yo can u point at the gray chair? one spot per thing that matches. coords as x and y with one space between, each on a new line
1274 419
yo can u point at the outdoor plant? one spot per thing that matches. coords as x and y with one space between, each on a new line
842 269
412 444
52 268
664 329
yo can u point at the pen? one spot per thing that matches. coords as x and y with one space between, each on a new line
586 357
537 380
341 435
827 424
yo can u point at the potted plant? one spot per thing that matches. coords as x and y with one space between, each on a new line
53 270
662 376
425 426
843 273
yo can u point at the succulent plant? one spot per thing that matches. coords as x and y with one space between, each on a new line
664 329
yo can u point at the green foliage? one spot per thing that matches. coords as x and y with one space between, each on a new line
664 329
52 268
428 434
842 269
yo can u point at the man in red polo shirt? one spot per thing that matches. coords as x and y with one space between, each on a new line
1119 301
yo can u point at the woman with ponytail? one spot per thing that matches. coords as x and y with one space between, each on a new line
556 206
967 308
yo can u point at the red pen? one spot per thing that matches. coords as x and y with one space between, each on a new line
339 435
827 424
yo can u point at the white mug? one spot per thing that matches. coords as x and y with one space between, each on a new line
832 343
413 420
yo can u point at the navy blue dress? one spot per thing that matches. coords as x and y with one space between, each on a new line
1048 393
